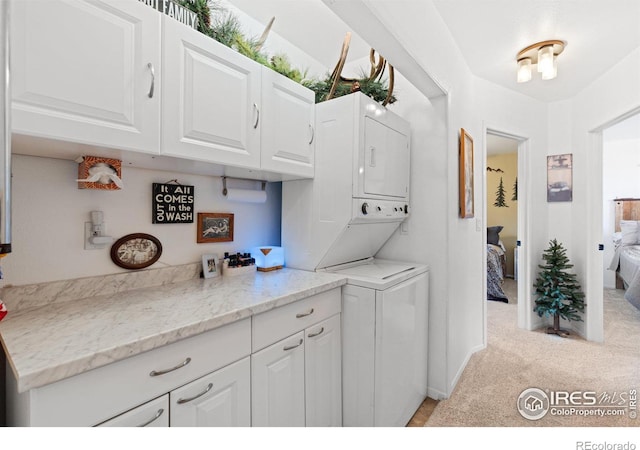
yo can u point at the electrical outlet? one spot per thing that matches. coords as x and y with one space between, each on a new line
88 232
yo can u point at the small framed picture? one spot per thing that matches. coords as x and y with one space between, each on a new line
210 265
215 227
466 175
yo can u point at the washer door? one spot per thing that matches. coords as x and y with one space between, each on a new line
401 351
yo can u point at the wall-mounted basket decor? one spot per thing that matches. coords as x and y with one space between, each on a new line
95 172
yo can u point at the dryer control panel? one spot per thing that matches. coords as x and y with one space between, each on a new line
368 210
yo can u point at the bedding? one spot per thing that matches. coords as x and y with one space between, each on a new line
495 274
626 260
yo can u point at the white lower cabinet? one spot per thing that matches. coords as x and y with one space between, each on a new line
282 367
220 399
152 414
297 381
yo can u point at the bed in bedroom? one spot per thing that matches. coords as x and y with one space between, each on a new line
626 239
496 265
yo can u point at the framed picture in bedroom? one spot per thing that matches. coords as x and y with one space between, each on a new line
560 178
466 175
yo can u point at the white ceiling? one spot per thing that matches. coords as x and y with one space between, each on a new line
489 34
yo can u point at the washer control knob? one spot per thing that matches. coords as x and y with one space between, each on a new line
365 208
406 209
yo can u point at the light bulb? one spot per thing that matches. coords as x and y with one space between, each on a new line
545 59
524 70
549 74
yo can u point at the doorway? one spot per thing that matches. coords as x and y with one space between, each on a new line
505 180
502 215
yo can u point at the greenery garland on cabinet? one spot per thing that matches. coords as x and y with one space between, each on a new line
216 22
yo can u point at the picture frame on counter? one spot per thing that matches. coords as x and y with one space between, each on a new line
136 251
215 227
210 267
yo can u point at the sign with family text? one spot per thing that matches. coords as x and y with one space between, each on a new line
175 11
172 203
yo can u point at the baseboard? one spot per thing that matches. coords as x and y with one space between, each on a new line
455 380
436 394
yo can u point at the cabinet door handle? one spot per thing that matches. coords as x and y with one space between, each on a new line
300 315
155 373
153 79
313 133
291 347
154 418
316 334
255 106
186 400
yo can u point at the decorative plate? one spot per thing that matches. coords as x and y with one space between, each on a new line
136 251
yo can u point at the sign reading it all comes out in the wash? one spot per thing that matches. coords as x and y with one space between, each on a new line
172 9
172 203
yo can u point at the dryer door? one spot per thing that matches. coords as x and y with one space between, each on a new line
386 160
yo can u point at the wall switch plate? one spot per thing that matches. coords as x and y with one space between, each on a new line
88 233
404 227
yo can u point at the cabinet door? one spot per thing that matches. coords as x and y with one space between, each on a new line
323 374
220 399
152 414
211 99
84 72
277 384
288 110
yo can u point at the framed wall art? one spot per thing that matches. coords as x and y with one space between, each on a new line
210 267
560 178
136 251
466 175
215 227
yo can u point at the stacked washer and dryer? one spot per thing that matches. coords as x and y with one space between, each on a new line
336 223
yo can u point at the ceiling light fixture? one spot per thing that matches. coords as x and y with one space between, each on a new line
543 54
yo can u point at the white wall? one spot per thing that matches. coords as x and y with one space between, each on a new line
621 179
453 247
578 125
49 212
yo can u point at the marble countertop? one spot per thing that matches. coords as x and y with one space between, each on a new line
53 342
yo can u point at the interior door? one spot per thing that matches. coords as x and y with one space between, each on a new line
386 160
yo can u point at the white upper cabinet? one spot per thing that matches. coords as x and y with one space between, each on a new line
121 75
211 104
87 72
287 126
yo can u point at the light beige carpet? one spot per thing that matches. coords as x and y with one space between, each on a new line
515 359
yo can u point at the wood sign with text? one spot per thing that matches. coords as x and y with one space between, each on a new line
172 203
171 9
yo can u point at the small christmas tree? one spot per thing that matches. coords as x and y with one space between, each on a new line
559 294
514 197
500 203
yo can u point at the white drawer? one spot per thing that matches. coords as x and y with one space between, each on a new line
152 414
102 393
271 326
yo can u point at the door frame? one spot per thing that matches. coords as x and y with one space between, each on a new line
523 235
594 286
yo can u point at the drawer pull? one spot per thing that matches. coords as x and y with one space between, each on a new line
154 418
155 373
186 400
291 347
153 80
257 110
300 315
316 334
